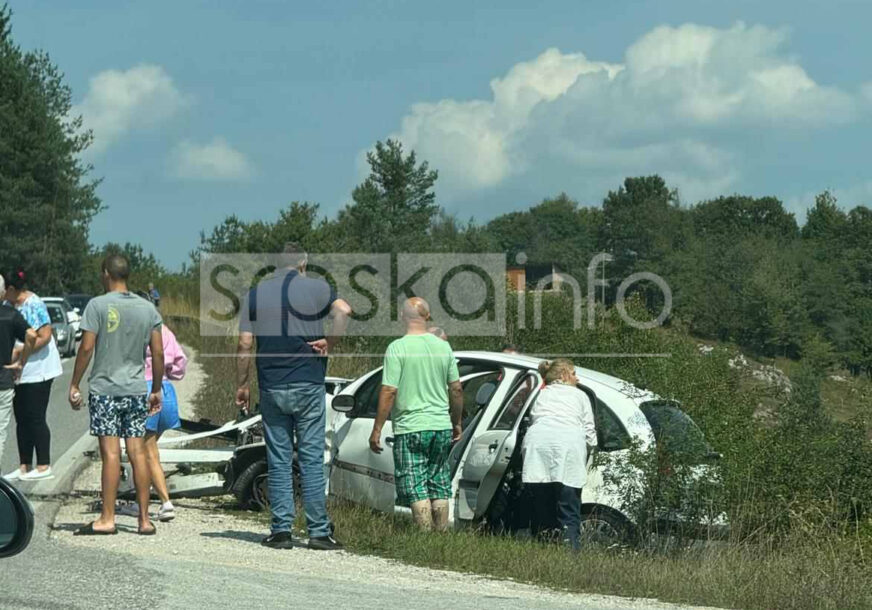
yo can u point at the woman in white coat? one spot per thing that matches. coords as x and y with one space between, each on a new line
555 451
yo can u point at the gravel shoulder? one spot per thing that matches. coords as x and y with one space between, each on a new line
206 540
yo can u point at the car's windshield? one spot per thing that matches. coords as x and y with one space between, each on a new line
56 313
674 430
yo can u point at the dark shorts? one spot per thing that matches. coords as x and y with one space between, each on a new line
121 416
421 470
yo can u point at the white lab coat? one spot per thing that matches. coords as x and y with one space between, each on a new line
555 447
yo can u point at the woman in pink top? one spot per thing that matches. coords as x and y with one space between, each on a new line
167 418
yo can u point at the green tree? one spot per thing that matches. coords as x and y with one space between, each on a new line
555 231
392 209
46 197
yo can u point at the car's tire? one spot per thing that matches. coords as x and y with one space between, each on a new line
251 487
604 527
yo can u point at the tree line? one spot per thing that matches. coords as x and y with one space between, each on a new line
740 268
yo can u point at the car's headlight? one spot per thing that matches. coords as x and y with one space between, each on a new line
62 334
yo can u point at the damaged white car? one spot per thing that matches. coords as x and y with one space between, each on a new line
499 390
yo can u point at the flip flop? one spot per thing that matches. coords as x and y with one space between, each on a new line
88 530
150 532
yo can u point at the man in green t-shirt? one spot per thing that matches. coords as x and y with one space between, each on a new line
420 373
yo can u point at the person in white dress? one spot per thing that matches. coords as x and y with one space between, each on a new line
555 451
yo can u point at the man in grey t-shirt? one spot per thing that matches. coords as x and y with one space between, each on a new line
117 327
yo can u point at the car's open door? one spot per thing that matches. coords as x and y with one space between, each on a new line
490 450
358 474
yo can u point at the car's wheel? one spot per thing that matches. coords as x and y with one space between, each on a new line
605 528
251 488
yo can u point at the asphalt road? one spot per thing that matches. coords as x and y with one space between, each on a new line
67 426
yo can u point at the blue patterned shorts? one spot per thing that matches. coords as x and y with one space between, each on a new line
121 416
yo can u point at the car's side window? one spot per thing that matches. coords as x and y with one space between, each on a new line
610 432
470 390
366 397
514 405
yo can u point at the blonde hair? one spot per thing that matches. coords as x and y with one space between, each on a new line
555 370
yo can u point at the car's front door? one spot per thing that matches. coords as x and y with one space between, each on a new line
364 477
488 455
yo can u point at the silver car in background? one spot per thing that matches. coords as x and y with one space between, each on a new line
63 330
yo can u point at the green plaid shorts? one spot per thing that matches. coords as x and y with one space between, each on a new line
421 470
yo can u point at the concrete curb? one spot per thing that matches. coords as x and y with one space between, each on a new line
66 470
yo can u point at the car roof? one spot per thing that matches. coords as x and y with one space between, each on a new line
525 361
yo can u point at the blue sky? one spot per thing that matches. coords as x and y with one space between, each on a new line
203 109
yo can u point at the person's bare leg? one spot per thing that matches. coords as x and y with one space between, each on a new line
440 515
110 453
152 455
422 513
141 479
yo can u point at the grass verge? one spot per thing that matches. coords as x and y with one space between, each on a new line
800 574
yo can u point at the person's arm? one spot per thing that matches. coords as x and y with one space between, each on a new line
43 336
386 398
243 369
340 311
455 400
391 374
27 336
455 397
83 359
174 356
157 371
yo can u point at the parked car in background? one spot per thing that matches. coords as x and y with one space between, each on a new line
64 333
74 317
78 301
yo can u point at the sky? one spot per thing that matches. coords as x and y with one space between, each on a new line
202 109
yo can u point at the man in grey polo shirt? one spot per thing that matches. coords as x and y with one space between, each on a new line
117 327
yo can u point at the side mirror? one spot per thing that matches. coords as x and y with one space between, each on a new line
344 403
485 393
16 520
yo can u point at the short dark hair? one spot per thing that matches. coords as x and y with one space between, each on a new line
116 266
16 279
295 254
511 347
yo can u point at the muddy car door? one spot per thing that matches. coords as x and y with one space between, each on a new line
483 465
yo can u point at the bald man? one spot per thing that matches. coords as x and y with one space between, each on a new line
421 385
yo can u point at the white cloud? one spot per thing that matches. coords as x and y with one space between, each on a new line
215 160
671 107
118 102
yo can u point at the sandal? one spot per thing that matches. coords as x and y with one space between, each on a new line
150 532
88 530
